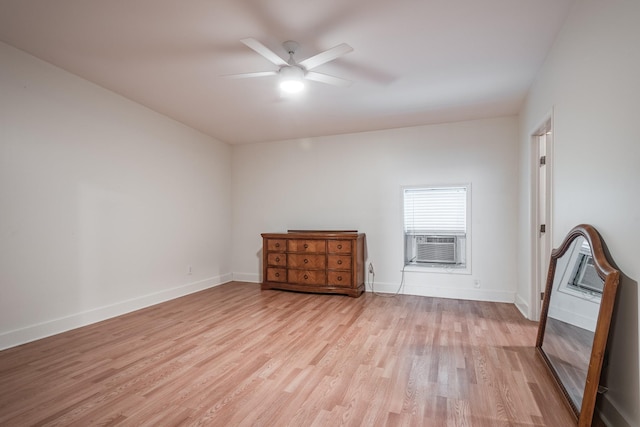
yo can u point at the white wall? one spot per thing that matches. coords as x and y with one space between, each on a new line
354 182
103 203
591 81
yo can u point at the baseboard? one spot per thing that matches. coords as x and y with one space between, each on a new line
610 414
523 306
63 324
246 277
440 292
389 288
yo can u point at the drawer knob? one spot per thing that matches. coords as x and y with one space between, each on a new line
339 262
339 278
306 261
277 259
306 277
277 274
306 246
277 245
339 246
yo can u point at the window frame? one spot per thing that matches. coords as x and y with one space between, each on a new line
438 267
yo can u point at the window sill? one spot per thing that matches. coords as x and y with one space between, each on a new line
439 269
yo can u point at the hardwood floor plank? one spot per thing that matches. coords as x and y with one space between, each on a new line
237 356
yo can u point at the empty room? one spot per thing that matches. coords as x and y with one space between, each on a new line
304 213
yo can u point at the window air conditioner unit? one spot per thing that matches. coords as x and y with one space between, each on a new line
584 275
437 249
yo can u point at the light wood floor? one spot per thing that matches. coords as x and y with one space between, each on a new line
235 355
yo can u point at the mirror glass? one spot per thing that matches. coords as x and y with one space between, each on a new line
575 318
571 320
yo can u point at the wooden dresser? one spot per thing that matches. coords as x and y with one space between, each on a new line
314 261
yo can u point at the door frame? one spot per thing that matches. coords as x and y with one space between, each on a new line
539 265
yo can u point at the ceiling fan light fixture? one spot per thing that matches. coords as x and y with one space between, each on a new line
291 79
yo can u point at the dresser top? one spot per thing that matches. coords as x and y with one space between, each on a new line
322 234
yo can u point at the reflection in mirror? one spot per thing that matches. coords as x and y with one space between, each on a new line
572 317
576 316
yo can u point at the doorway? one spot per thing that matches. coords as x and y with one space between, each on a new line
542 140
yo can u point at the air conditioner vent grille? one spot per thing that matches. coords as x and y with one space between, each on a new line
436 249
430 239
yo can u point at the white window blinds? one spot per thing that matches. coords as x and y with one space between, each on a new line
435 210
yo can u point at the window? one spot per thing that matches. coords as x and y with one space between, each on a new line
436 226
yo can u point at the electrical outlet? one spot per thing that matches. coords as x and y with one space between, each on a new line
371 268
476 283
189 270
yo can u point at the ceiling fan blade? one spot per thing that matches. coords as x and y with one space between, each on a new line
264 51
326 56
248 75
325 78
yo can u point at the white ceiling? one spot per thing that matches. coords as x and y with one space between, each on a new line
414 61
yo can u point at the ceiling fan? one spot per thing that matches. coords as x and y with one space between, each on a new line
293 73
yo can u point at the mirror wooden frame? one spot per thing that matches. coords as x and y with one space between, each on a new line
611 277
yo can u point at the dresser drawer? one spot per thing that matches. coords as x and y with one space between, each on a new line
306 261
339 246
339 262
277 259
274 245
339 278
311 246
307 277
276 275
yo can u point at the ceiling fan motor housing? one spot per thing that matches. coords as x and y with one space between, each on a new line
291 72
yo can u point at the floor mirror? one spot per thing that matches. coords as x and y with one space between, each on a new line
576 315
